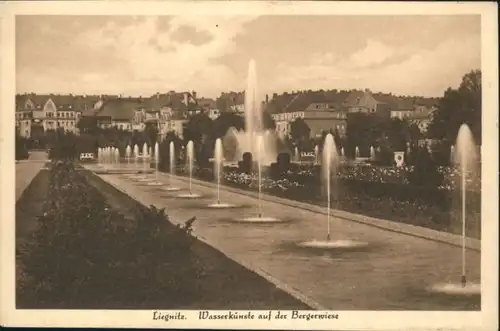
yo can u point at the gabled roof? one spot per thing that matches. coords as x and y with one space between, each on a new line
325 106
120 108
206 103
83 103
174 100
233 98
423 114
62 102
353 98
37 99
299 101
428 102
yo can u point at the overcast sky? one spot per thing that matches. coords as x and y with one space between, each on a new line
409 55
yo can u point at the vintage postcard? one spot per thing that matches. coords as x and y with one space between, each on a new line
249 165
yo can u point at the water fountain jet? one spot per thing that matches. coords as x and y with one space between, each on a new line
172 164
190 161
128 152
156 158
329 169
218 160
465 158
254 126
260 218
372 153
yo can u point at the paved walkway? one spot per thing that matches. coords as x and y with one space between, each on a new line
26 170
392 274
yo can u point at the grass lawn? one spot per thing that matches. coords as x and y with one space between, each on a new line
28 208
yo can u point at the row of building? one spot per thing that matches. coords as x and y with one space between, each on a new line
170 111
331 113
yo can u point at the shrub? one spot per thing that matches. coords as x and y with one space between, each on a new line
21 148
245 166
84 254
425 171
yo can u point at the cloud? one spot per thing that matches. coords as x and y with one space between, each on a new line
403 71
150 53
374 53
433 70
157 56
191 35
209 54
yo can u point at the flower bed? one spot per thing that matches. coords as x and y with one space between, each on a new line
390 197
368 173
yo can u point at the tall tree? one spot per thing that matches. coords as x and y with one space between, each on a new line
299 130
225 121
363 131
222 104
87 124
151 132
197 128
459 106
267 121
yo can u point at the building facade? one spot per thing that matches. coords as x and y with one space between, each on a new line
320 117
37 115
332 115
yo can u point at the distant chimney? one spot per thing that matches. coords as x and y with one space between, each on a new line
267 98
194 94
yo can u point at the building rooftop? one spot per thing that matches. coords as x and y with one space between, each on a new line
120 108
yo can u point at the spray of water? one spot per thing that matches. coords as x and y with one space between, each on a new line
329 167
296 154
465 157
190 160
144 155
259 166
372 153
247 140
117 156
171 153
136 155
157 158
218 162
128 152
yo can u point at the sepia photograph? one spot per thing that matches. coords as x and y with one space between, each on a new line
250 166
